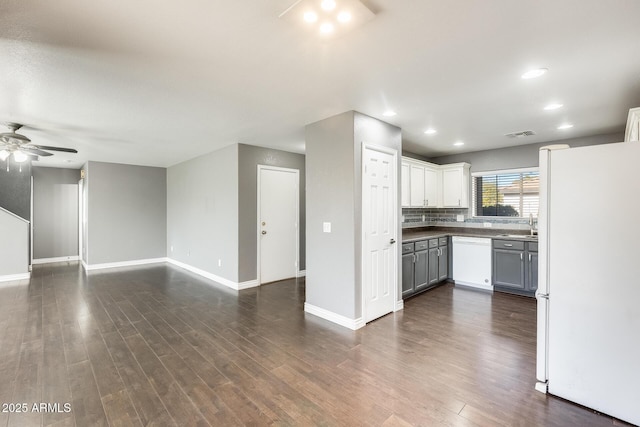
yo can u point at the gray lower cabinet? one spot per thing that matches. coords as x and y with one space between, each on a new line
424 264
515 266
407 274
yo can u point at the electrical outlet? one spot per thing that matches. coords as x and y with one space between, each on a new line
460 218
424 217
219 263
487 225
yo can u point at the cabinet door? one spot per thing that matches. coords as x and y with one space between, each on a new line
452 187
421 268
405 178
508 269
431 183
417 186
433 266
407 275
533 272
443 263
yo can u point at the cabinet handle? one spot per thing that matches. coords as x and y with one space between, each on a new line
521 257
508 245
529 257
414 258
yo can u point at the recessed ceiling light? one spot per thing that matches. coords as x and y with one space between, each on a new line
430 131
310 17
389 113
344 17
459 144
553 107
326 28
532 74
328 4
565 126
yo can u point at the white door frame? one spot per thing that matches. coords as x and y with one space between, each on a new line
80 217
393 152
258 225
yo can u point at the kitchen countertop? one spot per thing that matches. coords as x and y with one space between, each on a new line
414 234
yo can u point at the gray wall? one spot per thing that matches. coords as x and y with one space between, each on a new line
521 156
334 194
202 212
14 250
249 157
127 212
15 188
55 212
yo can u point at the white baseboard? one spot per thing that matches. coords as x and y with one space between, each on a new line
56 259
13 277
542 387
226 282
92 267
399 305
478 286
301 273
334 317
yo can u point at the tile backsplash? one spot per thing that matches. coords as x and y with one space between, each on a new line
419 217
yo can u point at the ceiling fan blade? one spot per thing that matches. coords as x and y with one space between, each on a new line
45 147
8 136
34 151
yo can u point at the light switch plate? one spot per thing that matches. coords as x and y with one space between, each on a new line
326 227
460 218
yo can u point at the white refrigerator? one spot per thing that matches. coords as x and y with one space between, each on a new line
589 277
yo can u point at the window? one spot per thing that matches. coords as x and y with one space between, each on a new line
506 193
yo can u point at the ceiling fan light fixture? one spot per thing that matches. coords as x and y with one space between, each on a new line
19 156
4 154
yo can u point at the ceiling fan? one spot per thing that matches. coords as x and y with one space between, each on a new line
12 143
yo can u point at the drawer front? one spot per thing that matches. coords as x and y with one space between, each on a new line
433 243
533 246
443 241
407 248
423 244
509 244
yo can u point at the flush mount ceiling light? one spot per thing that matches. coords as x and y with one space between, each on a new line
565 126
430 131
532 74
553 107
458 144
327 18
389 113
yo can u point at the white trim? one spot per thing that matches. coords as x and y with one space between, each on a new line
399 305
506 171
92 267
84 265
477 286
258 225
13 277
14 215
392 152
31 223
301 273
338 319
542 387
221 280
56 259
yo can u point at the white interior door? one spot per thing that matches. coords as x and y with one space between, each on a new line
277 223
379 211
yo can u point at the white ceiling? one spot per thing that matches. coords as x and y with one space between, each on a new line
154 82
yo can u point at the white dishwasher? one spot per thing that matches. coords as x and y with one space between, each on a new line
472 262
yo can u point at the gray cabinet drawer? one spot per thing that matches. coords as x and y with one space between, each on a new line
509 244
533 246
433 243
407 248
443 241
421 245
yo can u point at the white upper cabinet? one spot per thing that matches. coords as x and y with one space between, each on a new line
633 126
455 185
406 184
424 184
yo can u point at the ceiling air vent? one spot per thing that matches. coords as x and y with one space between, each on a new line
520 134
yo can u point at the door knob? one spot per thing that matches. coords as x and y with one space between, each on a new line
264 232
392 241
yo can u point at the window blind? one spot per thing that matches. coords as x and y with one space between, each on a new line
508 194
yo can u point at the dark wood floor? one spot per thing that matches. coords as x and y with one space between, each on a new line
161 346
